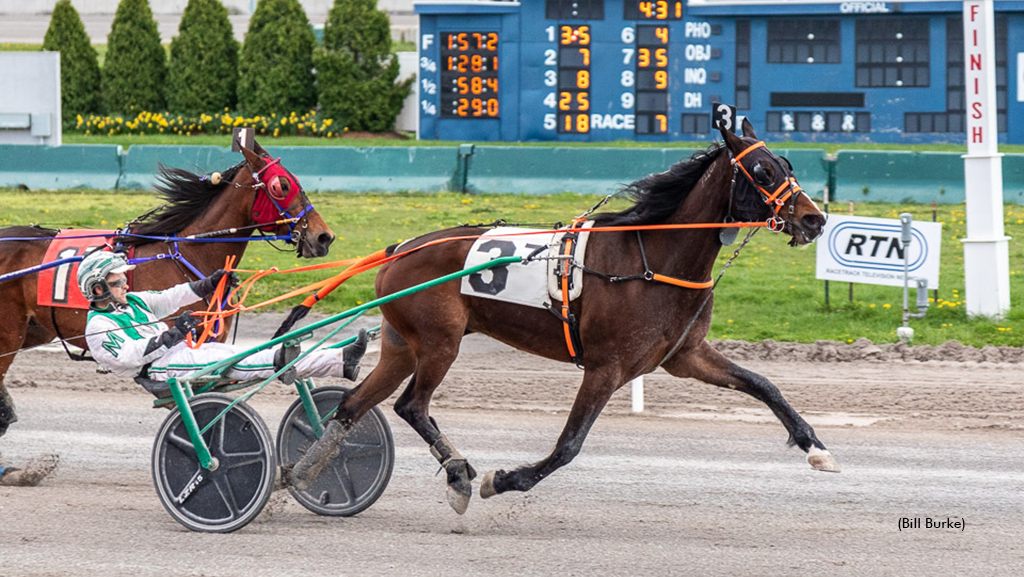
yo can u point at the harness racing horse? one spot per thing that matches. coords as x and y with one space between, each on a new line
626 329
257 193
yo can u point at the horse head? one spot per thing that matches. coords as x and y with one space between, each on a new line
281 205
765 189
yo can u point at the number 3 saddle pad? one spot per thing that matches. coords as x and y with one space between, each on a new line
532 284
57 287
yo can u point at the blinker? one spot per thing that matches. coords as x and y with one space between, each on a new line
760 175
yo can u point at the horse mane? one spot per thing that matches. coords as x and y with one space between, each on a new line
187 196
657 196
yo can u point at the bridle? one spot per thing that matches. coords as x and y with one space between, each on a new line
785 194
270 207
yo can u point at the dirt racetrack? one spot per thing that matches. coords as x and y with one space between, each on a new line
700 483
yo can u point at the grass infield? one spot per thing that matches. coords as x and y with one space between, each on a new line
770 292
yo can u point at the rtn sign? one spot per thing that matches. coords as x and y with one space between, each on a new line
870 250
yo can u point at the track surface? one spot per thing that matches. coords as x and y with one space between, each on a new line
701 483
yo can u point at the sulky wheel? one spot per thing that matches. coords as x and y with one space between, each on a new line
234 492
360 473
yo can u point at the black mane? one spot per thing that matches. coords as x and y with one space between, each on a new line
187 196
657 196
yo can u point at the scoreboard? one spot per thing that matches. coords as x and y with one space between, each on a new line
607 70
553 70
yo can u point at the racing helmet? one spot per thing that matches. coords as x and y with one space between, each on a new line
93 271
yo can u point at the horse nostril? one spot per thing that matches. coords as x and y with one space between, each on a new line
813 222
325 239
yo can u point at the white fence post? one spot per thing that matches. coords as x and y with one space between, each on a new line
637 387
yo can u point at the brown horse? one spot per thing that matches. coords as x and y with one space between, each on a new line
626 328
255 192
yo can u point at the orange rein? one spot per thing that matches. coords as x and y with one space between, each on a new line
226 302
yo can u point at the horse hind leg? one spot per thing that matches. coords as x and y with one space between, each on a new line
414 406
396 363
707 364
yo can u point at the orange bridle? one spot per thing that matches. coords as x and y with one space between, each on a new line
788 189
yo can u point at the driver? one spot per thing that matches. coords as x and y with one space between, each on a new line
124 333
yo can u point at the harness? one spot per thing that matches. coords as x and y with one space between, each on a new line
788 189
570 325
786 193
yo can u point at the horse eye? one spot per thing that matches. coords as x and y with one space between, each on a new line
761 175
286 185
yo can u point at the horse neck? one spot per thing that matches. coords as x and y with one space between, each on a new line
691 254
231 209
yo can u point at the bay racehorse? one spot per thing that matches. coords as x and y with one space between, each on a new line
625 329
256 193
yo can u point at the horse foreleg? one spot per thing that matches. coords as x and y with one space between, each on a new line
708 365
396 363
7 414
37 468
591 398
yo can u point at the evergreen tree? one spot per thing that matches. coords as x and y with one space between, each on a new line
276 64
135 67
79 68
356 70
203 71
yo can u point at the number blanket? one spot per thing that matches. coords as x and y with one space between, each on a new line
57 287
531 284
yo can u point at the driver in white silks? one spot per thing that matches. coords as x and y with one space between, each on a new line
124 333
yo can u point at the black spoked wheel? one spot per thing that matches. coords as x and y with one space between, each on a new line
234 492
362 470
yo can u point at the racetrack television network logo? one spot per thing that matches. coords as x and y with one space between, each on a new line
870 250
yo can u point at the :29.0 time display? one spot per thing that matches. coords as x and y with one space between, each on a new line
469 75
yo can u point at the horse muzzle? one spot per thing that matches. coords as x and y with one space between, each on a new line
315 246
806 229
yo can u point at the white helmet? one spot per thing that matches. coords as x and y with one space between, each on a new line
93 271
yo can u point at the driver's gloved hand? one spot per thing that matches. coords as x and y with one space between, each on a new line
204 287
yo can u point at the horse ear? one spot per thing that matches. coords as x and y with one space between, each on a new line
748 129
253 159
733 141
259 149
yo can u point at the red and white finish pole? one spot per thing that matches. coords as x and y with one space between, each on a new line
986 248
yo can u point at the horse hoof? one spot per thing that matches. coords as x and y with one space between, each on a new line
487 486
458 501
325 450
822 461
34 472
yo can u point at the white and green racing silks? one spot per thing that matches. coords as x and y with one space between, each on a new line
118 335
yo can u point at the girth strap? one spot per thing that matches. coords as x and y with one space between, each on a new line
569 324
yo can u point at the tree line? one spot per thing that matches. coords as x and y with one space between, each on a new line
279 69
